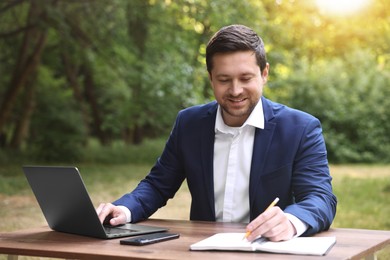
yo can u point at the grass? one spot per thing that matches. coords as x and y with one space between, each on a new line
363 193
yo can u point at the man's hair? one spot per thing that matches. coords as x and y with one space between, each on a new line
234 38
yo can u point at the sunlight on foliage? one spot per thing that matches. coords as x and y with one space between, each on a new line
125 68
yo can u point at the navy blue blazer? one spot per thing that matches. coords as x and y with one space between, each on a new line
289 161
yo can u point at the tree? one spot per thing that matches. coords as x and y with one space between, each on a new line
25 67
122 69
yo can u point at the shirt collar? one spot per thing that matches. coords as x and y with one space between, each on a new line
255 119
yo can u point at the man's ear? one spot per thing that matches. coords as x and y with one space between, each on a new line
211 80
265 72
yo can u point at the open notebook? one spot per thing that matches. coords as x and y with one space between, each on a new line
235 242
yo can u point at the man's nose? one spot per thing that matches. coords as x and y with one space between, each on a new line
235 88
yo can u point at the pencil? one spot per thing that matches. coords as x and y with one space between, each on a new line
273 203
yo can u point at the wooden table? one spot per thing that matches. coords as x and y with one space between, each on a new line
351 244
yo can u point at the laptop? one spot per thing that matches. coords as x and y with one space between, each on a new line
67 207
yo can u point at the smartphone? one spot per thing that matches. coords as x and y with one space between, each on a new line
148 239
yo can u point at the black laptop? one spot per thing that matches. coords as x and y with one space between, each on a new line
67 207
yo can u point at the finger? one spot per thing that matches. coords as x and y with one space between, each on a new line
118 220
99 209
279 234
276 233
263 223
105 210
284 230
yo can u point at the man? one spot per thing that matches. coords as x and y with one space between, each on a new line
239 153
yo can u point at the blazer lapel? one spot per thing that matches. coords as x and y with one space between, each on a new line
261 146
207 148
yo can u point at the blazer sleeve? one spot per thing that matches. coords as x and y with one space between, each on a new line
315 203
161 184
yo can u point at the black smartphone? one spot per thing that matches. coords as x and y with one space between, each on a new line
148 239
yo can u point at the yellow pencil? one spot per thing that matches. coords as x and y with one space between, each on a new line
273 203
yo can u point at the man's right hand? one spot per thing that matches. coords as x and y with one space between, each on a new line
111 214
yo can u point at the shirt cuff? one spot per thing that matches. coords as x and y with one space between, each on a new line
299 225
127 212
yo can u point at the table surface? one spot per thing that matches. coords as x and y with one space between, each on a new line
351 243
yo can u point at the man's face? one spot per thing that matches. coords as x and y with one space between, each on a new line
237 84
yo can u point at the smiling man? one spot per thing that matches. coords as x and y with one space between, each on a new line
239 153
237 84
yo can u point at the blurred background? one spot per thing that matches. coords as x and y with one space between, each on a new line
77 76
98 84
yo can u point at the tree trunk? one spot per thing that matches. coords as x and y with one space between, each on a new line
138 32
97 121
34 41
71 72
23 124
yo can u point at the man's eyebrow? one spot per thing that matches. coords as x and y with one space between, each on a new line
243 74
222 76
248 74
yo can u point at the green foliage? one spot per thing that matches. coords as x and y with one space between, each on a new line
145 62
101 166
120 153
349 96
57 131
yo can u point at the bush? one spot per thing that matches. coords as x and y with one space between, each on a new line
120 153
353 110
57 131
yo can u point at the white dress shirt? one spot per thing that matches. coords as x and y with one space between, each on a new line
233 149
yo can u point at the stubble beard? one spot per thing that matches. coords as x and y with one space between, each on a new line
237 113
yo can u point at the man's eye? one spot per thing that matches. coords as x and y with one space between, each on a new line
224 80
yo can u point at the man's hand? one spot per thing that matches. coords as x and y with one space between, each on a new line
111 214
272 224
